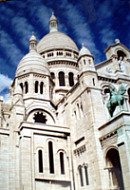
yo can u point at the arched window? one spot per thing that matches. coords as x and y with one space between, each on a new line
40 161
106 90
86 175
81 175
51 158
93 81
62 166
71 79
52 75
36 86
120 54
89 61
26 87
39 118
21 85
61 78
41 88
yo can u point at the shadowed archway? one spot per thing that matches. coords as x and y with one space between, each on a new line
114 168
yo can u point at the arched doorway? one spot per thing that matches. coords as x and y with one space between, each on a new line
114 169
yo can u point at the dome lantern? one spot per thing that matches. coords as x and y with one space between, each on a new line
53 23
33 43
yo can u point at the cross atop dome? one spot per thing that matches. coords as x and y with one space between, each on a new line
53 23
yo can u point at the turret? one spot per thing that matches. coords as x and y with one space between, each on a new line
87 72
32 75
86 60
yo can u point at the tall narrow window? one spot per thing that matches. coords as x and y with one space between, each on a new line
36 86
40 161
41 88
51 158
21 85
71 79
81 176
62 166
93 81
26 87
86 175
61 79
52 75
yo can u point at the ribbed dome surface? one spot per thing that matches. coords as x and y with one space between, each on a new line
32 62
56 40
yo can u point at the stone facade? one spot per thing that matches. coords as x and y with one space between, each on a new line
62 127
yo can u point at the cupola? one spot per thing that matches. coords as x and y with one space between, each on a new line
53 23
85 59
33 43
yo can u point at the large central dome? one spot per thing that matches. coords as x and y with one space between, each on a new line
55 39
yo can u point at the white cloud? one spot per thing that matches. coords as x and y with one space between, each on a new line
9 47
40 13
105 16
23 29
107 35
5 82
79 26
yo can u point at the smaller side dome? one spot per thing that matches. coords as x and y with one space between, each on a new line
33 61
84 51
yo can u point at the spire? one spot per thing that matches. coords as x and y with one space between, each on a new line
33 42
53 23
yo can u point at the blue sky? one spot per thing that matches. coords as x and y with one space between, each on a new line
96 23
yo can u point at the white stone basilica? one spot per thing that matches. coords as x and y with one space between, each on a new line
66 125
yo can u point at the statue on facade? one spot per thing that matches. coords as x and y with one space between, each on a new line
121 64
116 98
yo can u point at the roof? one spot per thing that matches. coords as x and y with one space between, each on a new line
56 40
84 51
32 62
